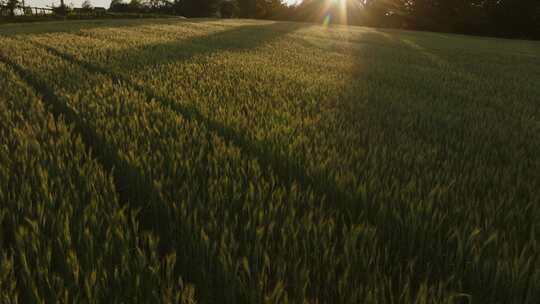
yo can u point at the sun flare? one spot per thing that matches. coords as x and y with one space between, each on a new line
334 11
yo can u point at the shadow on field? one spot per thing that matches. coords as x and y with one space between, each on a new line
221 41
423 124
228 40
439 110
138 193
241 38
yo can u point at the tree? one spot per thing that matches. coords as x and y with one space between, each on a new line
513 18
87 6
63 9
227 9
176 7
261 9
509 18
12 6
321 11
135 6
246 8
270 9
200 8
118 6
159 6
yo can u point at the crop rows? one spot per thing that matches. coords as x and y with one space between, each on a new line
64 233
209 200
285 162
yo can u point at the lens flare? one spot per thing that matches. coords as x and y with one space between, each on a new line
334 11
326 20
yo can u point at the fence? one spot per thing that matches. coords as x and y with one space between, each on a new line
20 10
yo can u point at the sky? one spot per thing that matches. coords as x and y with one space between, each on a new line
77 3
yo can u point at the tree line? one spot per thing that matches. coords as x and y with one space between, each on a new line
503 18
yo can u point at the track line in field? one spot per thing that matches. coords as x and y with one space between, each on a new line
125 175
323 187
286 170
61 110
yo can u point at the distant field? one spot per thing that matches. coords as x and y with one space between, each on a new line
235 161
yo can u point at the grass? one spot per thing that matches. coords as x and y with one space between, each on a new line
251 161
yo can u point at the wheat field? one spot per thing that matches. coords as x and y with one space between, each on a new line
243 161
